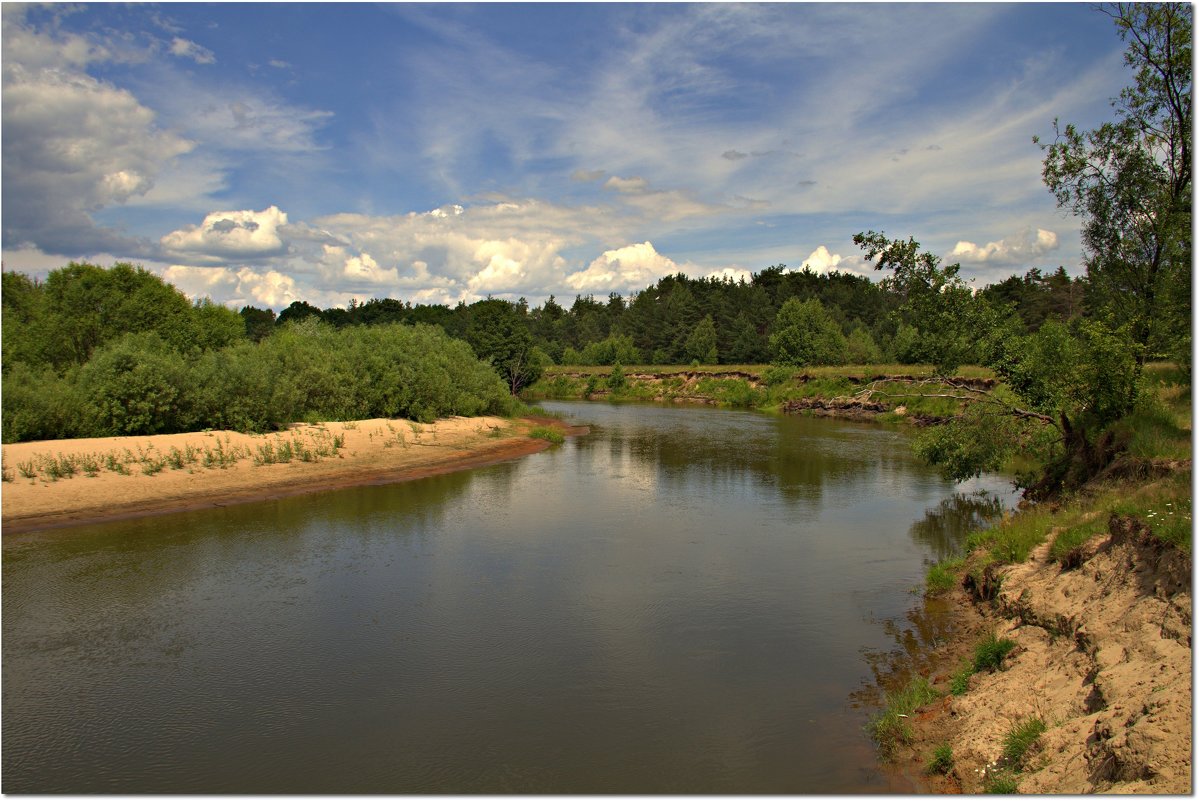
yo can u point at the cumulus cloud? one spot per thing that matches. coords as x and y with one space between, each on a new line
235 287
1016 249
627 269
74 145
229 236
185 48
822 261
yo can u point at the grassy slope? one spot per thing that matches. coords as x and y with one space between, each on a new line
754 385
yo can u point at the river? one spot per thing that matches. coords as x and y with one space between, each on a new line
681 601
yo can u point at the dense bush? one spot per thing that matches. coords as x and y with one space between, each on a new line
139 384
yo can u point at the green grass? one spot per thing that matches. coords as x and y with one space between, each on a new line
942 760
1068 540
942 576
548 434
959 683
890 727
1020 739
989 654
1001 782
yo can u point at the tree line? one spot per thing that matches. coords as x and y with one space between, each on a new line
94 351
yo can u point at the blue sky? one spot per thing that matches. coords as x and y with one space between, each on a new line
265 153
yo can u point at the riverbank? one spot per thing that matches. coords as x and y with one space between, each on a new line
1088 686
57 483
882 392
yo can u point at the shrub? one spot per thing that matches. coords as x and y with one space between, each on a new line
616 379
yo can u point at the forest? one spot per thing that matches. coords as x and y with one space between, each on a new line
91 351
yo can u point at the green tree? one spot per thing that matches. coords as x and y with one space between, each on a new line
935 299
805 334
1130 181
701 344
499 336
747 346
259 323
1063 387
216 326
860 347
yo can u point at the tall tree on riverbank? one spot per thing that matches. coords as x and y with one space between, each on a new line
1130 180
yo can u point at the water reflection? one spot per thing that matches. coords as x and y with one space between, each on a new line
677 603
942 526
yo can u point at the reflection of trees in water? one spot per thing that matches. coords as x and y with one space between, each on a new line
131 562
798 462
945 526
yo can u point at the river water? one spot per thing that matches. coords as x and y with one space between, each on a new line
680 602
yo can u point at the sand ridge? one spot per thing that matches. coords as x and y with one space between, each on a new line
117 477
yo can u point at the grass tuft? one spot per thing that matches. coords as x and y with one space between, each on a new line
548 434
890 727
1020 739
989 654
942 761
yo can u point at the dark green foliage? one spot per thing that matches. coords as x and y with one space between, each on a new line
616 379
934 300
805 334
701 343
1130 180
135 385
500 337
305 371
259 323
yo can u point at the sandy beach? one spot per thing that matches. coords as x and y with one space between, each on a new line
56 483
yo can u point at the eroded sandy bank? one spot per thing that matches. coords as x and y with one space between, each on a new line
120 477
1102 657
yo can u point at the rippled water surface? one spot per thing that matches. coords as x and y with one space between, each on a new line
679 602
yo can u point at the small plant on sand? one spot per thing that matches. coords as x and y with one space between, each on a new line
1001 782
6 474
548 434
27 469
942 761
152 466
1020 739
90 464
959 683
890 727
989 654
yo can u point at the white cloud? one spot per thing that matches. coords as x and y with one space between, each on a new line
185 48
74 145
229 236
627 269
629 186
236 287
1017 249
822 261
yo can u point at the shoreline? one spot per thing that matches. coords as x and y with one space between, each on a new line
119 478
1101 654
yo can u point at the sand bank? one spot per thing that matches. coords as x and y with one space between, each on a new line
56 483
1102 656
